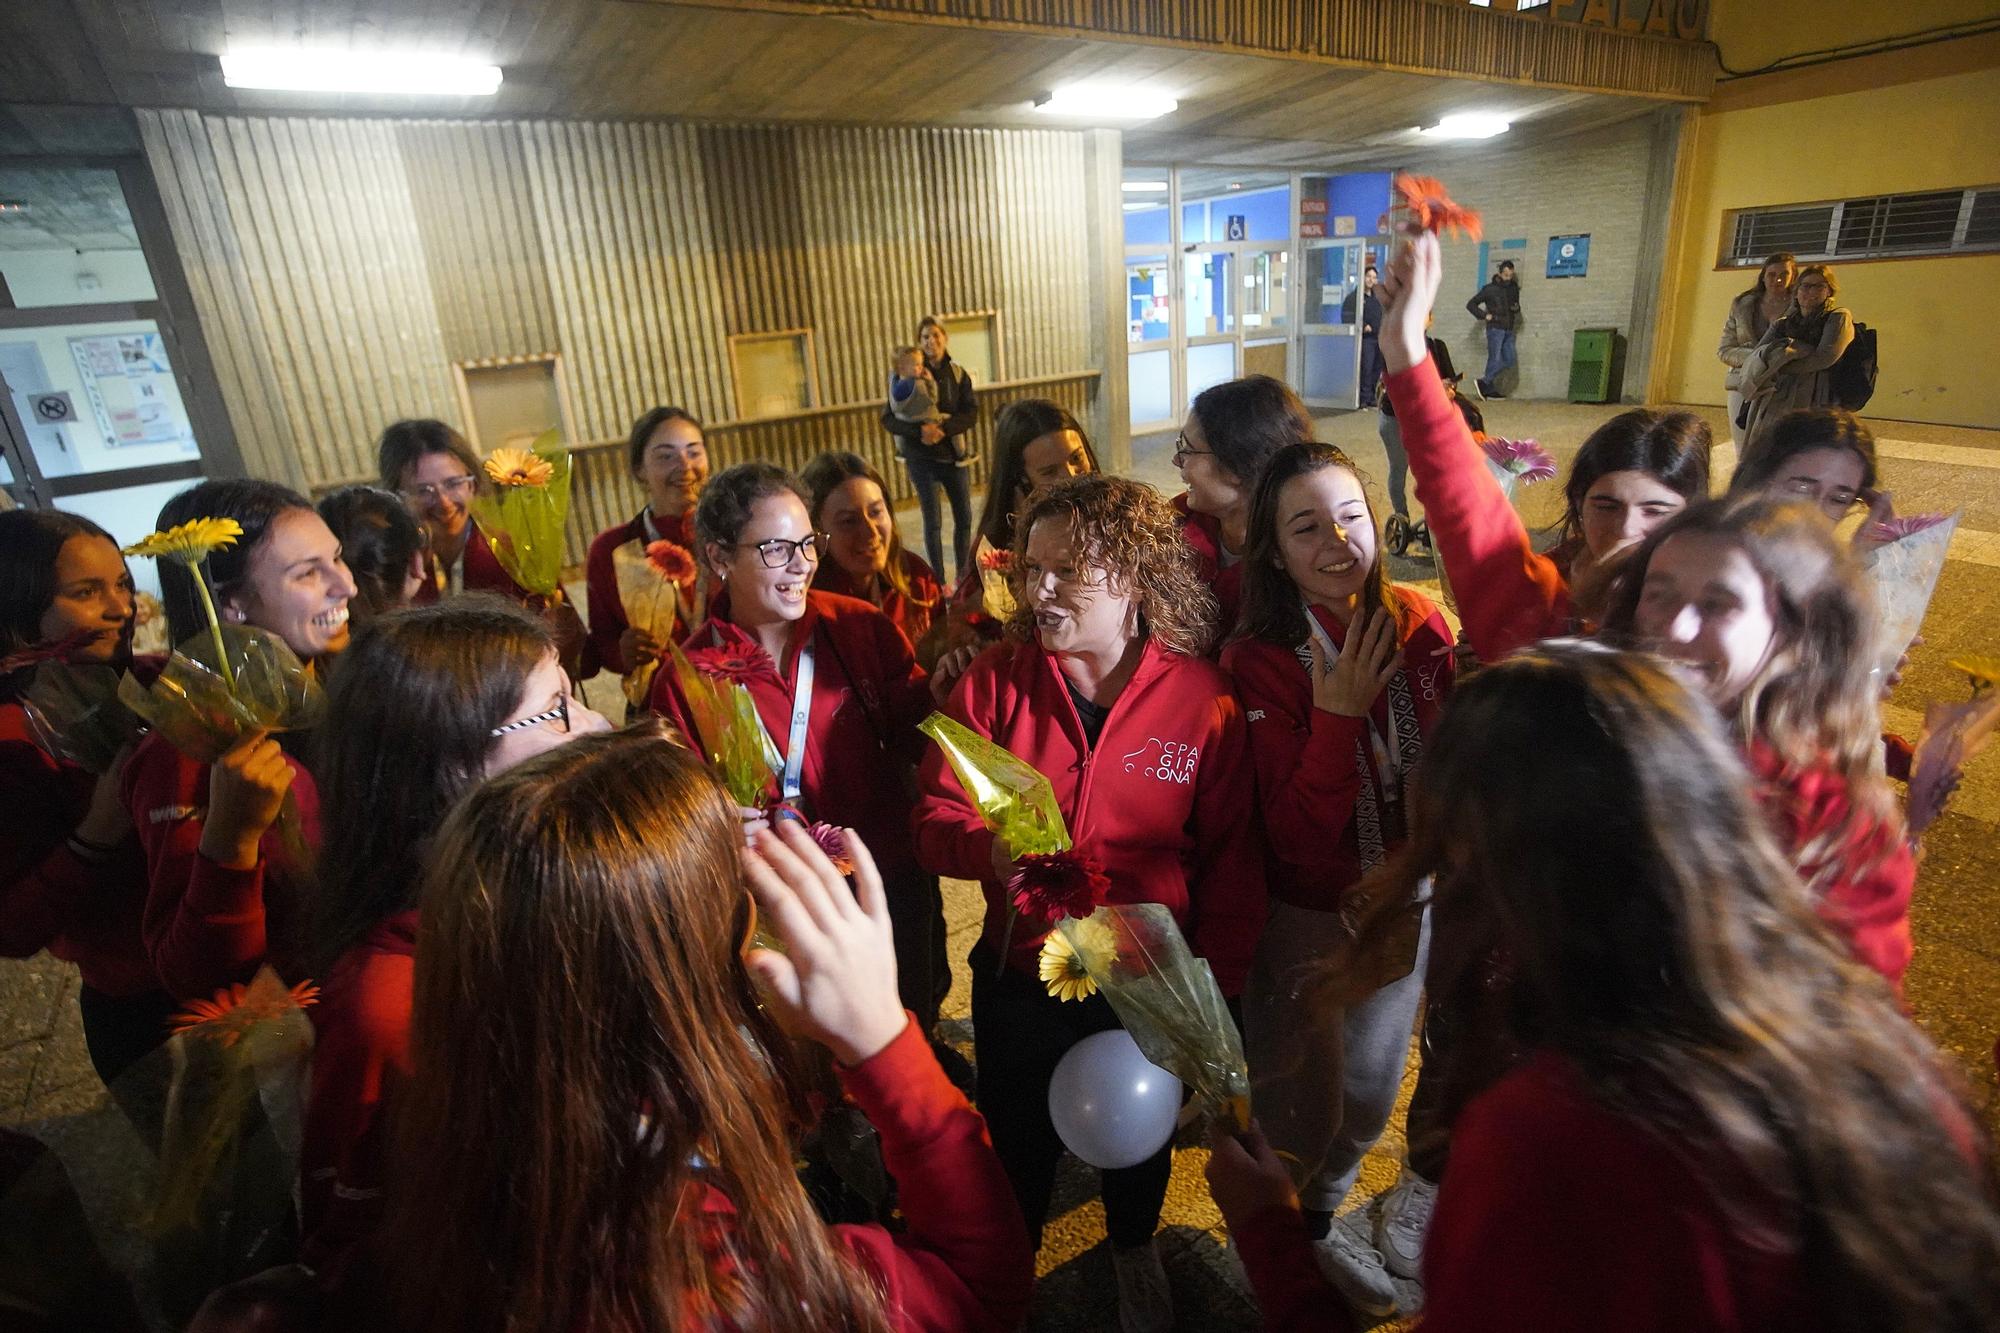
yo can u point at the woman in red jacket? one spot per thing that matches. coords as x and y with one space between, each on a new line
668 455
1721 1123
1103 687
1634 472
836 685
425 704
614 1084
224 892
72 880
433 468
864 554
1232 431
1342 676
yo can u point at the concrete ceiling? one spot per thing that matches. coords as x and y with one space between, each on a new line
645 58
64 208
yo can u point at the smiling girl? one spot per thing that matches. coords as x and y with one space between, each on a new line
864 555
223 894
668 455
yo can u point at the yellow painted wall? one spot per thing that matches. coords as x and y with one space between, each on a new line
1938 319
1752 33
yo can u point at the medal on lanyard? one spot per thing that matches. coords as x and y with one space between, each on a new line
1387 750
795 742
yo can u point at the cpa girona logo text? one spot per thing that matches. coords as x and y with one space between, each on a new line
1169 761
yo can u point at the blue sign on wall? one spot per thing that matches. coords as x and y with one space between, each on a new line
1569 256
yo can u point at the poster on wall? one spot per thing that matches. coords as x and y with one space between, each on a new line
1569 256
131 390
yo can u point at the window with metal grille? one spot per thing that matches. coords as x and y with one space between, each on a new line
1936 222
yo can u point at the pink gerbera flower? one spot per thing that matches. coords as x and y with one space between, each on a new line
1895 529
833 842
1526 459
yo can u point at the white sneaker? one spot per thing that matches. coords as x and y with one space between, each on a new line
1402 1223
1353 1267
1145 1300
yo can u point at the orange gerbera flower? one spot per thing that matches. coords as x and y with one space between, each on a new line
671 561
1433 209
518 467
236 1009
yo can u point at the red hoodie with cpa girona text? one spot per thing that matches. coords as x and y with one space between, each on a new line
1165 801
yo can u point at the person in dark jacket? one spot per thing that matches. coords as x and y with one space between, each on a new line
1498 306
1371 322
929 449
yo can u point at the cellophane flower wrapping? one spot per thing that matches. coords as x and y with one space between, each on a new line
76 714
193 706
732 734
1507 481
1903 574
524 524
1013 799
1168 1000
651 603
1953 734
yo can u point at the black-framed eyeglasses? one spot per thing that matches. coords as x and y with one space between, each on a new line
559 715
1183 450
777 552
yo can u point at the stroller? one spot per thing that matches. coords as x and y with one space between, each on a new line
1399 534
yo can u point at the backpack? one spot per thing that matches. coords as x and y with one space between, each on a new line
1853 376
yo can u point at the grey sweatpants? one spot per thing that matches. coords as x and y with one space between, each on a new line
1323 1080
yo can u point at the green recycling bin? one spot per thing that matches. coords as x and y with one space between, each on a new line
1590 365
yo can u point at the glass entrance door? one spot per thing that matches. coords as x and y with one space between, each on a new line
1212 295
1330 332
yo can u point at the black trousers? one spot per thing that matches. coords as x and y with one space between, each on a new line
916 916
120 1031
1020 1032
1371 368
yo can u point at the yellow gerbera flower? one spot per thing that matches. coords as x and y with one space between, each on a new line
1071 954
1985 671
190 542
518 467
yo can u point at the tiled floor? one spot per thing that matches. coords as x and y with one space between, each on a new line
47 1088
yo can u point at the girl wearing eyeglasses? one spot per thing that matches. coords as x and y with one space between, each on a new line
426 704
837 687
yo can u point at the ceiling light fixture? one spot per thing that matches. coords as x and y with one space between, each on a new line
1141 187
1105 101
1468 125
381 72
1140 205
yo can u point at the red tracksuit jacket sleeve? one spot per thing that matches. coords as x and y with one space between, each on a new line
204 923
1508 596
607 610
41 881
964 1260
1226 892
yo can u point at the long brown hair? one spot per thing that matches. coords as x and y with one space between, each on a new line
1271 608
1605 889
1670 447
591 1070
824 475
1128 531
1020 424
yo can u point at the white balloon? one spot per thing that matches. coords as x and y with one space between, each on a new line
1112 1106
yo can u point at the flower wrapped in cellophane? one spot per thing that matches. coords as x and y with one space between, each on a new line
1135 954
522 513
1903 560
1513 463
656 583
733 737
72 707
1430 208
1953 734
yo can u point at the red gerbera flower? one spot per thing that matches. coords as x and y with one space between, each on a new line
1433 209
236 1009
737 664
996 560
670 560
1057 885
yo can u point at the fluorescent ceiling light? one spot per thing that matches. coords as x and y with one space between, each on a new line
1468 125
360 72
1105 101
1140 187
1140 205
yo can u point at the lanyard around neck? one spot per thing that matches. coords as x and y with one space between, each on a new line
1388 750
795 742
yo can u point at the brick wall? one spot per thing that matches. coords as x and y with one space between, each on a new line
1592 183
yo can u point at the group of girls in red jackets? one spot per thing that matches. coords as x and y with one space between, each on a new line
1637 879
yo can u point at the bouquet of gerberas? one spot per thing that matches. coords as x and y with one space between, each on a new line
732 735
1165 996
1953 733
1052 882
656 583
224 683
1904 557
523 512
1513 463
72 706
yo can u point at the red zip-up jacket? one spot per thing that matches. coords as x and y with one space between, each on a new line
608 622
208 926
361 1050
1306 758
913 614
861 738
1867 903
481 571
1558 1215
1508 595
1203 534
84 912
1166 800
